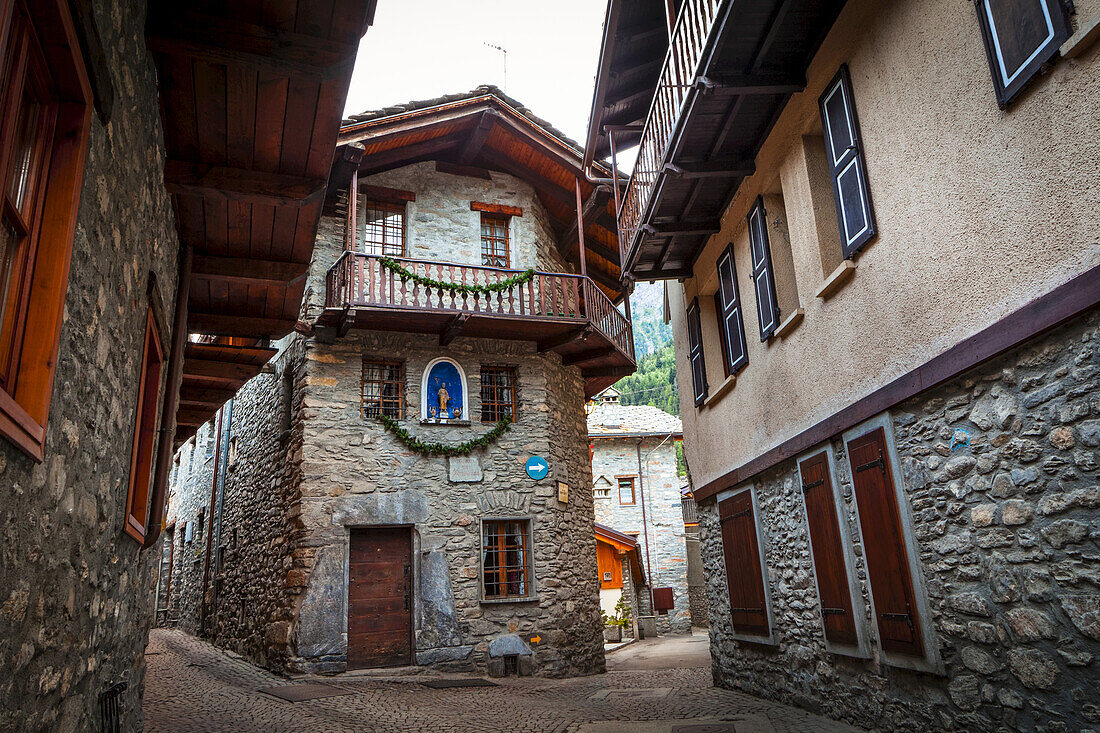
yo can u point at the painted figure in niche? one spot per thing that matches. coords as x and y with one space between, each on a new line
444 398
443 391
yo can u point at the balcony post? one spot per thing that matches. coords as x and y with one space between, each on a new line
580 227
615 186
353 204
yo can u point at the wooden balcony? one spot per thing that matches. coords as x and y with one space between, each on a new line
560 312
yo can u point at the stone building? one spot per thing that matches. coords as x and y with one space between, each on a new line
98 156
877 227
636 490
408 481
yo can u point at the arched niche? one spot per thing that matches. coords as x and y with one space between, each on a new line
444 381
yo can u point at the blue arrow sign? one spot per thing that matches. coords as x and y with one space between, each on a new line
537 468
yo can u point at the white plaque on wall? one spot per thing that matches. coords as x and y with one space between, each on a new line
463 469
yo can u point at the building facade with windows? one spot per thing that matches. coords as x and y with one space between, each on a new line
636 491
378 510
877 230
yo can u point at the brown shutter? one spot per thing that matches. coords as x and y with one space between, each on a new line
746 584
884 545
829 565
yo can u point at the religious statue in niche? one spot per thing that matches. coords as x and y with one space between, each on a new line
443 392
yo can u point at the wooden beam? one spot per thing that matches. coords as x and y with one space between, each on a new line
248 271
568 337
194 415
582 257
219 324
477 138
223 40
640 32
716 168
622 371
683 228
749 84
204 396
583 356
398 156
604 279
384 193
222 370
624 128
501 209
453 329
468 171
240 184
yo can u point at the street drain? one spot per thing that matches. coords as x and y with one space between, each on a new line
444 684
303 692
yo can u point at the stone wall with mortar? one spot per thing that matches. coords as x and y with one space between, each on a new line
76 593
667 566
1007 530
354 473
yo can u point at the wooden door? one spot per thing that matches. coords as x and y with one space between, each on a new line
380 598
748 605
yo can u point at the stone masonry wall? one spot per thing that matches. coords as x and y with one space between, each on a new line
354 473
1007 529
76 593
660 487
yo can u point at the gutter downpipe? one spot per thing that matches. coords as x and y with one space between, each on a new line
645 525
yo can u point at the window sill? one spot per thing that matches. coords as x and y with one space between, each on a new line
1087 34
845 650
761 641
915 664
525 599
720 392
446 423
836 280
790 323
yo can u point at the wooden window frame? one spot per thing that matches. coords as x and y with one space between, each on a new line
633 489
143 451
493 391
501 567
401 382
729 311
24 408
763 275
861 648
1005 85
494 254
770 637
378 248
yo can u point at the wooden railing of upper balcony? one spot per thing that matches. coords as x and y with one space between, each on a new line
361 280
685 52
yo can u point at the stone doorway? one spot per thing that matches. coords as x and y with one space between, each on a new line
380 597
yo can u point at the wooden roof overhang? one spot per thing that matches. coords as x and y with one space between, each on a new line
251 97
484 132
623 544
751 59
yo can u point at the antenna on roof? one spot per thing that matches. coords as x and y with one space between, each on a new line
504 53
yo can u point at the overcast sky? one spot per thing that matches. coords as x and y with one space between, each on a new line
418 49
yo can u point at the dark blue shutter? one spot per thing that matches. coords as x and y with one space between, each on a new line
767 307
695 353
1020 36
731 328
854 213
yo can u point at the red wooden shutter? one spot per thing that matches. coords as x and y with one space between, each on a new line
767 305
746 583
884 545
695 353
829 564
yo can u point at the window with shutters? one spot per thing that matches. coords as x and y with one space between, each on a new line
731 327
145 430
1020 36
847 169
749 610
777 305
889 571
506 559
695 353
763 277
830 552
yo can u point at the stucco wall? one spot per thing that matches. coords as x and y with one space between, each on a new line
979 211
76 593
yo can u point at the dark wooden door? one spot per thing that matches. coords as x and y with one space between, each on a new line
380 598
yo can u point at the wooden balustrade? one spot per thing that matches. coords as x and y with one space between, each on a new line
360 280
689 39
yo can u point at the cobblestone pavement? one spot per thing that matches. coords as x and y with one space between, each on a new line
192 686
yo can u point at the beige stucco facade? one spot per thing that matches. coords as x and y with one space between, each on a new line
979 211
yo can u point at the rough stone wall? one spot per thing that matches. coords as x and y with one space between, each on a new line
1007 529
697 582
354 473
660 488
76 593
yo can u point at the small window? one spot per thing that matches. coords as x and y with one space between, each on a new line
506 568
695 353
855 215
763 275
383 230
232 452
494 240
731 327
189 532
145 429
1020 36
383 389
200 524
498 393
626 490
601 489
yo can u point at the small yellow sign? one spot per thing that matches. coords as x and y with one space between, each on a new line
563 492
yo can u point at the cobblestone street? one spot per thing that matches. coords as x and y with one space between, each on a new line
191 686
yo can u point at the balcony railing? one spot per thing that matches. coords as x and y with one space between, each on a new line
359 280
685 52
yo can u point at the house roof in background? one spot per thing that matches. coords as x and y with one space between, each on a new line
614 420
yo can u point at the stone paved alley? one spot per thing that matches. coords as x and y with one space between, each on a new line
191 686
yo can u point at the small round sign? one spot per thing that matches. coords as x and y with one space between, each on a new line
537 468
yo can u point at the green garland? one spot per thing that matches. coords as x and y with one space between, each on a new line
406 274
442 449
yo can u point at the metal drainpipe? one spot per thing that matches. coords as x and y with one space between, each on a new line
645 527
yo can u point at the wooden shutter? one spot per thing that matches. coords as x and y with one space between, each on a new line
695 352
1020 36
767 306
884 545
854 213
748 609
828 550
727 304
